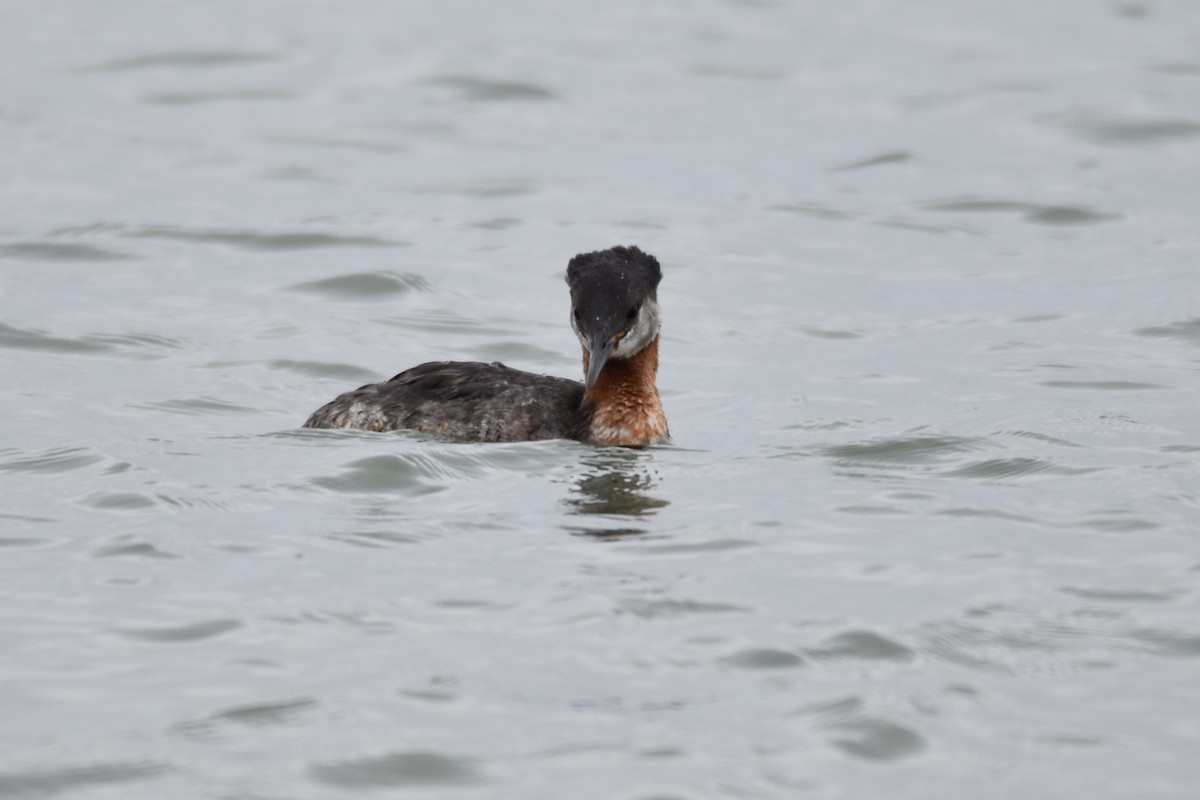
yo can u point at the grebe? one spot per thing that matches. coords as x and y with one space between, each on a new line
614 313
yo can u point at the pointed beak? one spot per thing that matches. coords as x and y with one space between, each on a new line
599 348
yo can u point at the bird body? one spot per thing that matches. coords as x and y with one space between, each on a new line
614 315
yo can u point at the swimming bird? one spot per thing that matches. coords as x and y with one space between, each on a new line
614 314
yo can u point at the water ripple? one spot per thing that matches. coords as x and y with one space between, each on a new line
1031 212
22 339
256 240
817 210
906 450
1106 386
1120 595
325 369
998 468
359 145
485 189
878 740
762 658
1177 68
141 345
48 782
705 546
235 95
403 769
373 539
670 608
132 550
198 406
184 59
438 321
1115 130
737 72
194 632
409 474
119 501
824 212
892 157
1038 437
364 286
864 645
1186 330
256 715
60 459
61 251
1082 639
477 89
1170 643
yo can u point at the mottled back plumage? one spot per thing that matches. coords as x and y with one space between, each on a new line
464 400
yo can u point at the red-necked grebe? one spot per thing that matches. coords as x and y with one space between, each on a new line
614 312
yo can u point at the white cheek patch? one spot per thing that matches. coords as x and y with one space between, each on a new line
644 329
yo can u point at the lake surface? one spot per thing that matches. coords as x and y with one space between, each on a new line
929 526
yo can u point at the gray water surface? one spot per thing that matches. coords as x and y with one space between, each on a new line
928 524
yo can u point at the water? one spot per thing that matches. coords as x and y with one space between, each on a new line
927 528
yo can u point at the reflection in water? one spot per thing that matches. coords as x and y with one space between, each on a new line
614 484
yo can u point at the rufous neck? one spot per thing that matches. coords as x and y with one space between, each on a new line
625 402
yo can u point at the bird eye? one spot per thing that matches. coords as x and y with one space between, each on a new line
575 313
633 312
